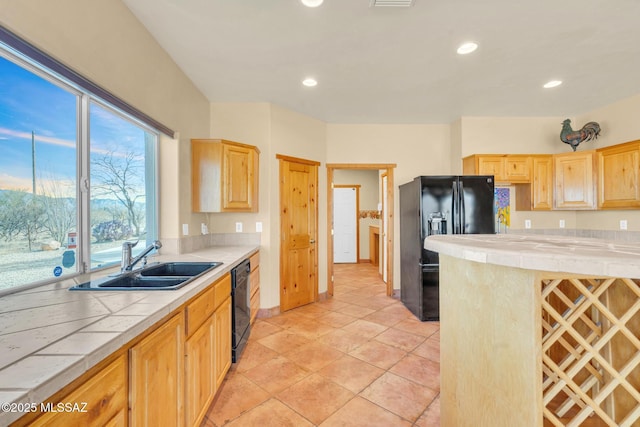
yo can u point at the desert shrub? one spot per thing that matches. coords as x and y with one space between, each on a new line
111 230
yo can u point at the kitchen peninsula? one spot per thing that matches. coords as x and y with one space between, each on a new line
539 329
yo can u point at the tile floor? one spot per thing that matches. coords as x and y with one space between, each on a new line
358 359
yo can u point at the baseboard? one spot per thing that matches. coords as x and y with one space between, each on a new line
364 260
265 313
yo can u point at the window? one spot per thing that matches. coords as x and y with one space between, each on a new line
77 176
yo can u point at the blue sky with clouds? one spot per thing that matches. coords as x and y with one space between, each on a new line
29 103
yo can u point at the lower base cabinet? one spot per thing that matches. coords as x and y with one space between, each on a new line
157 376
199 370
223 340
167 378
105 395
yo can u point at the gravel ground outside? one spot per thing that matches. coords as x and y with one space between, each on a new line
19 266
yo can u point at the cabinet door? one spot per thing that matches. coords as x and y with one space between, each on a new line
542 183
105 395
574 180
157 372
237 184
618 172
200 382
492 165
517 169
222 340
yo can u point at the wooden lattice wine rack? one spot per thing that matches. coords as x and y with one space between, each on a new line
591 352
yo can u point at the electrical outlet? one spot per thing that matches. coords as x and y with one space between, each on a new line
258 227
623 224
562 223
238 227
185 229
527 223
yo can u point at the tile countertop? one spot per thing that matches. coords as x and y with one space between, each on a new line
50 336
574 255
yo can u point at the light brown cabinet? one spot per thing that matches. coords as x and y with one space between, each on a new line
506 168
222 346
200 382
157 376
619 176
575 180
538 195
105 396
224 176
254 282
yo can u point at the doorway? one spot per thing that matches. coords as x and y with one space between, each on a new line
346 248
386 177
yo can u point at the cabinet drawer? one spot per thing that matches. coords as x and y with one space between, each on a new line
254 260
255 304
254 281
222 290
105 395
200 309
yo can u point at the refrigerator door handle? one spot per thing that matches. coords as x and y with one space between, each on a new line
461 205
454 210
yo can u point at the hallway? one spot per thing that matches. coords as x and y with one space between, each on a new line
357 359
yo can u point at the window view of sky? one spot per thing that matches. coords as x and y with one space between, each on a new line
29 104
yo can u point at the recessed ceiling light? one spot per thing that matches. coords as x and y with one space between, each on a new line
467 48
312 3
310 82
552 83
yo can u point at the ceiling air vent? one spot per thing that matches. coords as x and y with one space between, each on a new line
391 3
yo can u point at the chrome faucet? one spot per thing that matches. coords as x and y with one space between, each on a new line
128 263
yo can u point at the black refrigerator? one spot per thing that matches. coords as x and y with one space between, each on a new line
437 205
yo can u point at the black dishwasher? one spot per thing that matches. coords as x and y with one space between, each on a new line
240 308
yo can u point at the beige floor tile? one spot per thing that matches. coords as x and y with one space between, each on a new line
365 328
417 327
351 373
314 356
261 329
315 397
254 354
284 341
384 318
285 320
419 370
236 395
342 340
400 339
276 374
355 310
429 349
271 413
378 354
399 395
431 416
360 412
337 320
311 329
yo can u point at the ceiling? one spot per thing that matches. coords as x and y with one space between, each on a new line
399 64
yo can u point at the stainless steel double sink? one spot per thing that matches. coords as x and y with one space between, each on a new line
160 276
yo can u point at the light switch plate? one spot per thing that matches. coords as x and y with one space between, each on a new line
623 224
258 227
238 227
185 229
527 223
562 223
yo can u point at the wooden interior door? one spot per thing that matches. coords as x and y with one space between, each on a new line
299 232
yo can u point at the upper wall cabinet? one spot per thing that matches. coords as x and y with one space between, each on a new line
574 180
618 176
538 195
224 176
511 168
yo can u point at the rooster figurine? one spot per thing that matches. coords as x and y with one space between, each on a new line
574 137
